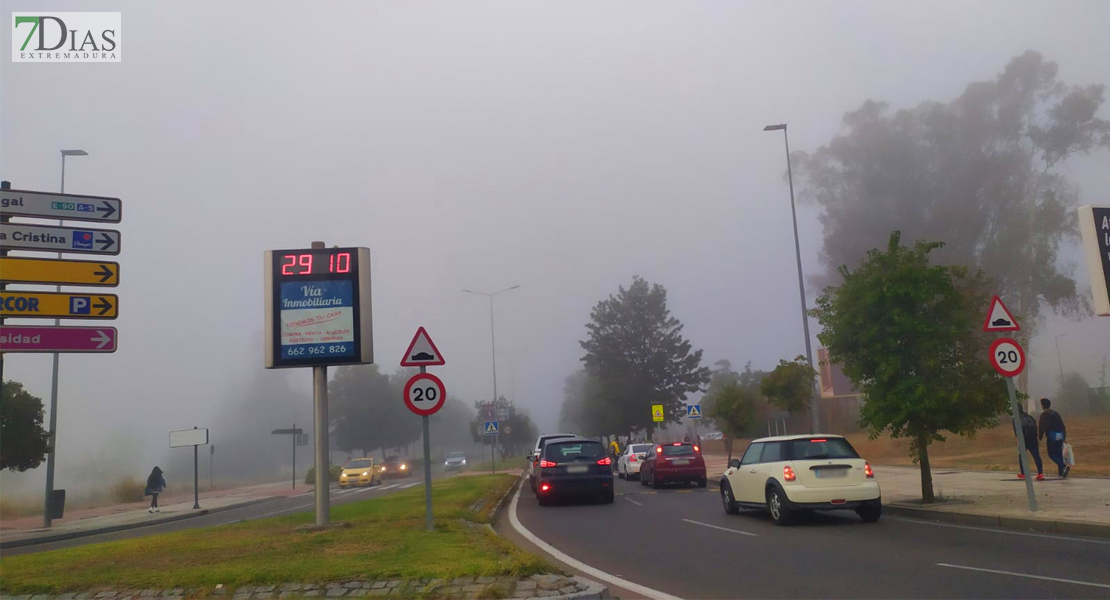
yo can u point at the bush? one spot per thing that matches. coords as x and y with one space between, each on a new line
310 476
128 490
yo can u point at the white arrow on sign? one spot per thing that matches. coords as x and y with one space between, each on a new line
70 207
101 337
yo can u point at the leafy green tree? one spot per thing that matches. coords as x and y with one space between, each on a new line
907 333
23 441
790 385
637 355
985 173
367 410
734 412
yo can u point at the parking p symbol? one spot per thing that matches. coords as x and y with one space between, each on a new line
79 305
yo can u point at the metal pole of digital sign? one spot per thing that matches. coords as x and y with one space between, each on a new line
320 424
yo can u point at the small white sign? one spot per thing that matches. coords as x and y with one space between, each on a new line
189 437
67 37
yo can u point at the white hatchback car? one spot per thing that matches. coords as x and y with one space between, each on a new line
792 473
628 465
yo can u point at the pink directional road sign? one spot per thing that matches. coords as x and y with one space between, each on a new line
39 338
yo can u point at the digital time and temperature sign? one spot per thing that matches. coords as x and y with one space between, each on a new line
318 307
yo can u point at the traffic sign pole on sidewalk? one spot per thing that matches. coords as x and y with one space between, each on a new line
429 522
1016 416
427 390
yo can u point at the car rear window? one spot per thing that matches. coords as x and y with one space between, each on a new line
563 452
638 448
679 450
547 438
361 463
821 448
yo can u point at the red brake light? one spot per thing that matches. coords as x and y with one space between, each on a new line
677 444
632 458
546 464
788 473
867 470
696 449
815 441
605 462
658 449
544 487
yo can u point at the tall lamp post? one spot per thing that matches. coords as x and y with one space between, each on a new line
801 285
1056 338
493 356
54 380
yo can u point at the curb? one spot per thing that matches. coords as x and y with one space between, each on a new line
594 591
496 512
1078 528
46 539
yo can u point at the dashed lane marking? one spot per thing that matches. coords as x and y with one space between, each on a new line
722 528
1025 575
633 501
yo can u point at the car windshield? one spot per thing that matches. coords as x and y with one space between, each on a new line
679 450
641 448
392 459
563 452
360 463
457 455
821 448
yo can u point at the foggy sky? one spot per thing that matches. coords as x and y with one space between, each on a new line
563 146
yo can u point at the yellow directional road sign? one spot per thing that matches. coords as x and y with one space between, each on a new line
63 272
55 305
657 413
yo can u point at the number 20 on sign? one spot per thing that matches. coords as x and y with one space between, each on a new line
1007 357
425 394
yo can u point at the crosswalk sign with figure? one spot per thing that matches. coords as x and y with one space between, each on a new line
693 411
490 428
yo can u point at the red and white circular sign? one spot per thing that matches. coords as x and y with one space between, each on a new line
425 394
1007 357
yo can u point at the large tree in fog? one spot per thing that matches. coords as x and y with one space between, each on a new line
636 356
367 410
23 441
982 173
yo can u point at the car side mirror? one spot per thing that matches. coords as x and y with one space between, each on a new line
734 463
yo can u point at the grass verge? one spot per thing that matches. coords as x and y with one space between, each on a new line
386 540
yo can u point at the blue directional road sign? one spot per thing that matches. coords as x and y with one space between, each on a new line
490 428
693 411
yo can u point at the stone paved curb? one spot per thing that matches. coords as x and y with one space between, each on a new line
550 587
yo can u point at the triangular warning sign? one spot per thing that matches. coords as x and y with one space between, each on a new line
422 351
999 317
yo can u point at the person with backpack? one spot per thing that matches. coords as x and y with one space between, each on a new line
155 484
1029 432
1052 427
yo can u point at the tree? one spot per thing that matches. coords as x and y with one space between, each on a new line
581 411
367 411
637 355
23 441
790 385
516 430
734 412
907 334
1074 395
982 173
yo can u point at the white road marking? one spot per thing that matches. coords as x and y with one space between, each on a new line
1046 536
721 528
644 591
277 512
633 501
405 487
1012 574
389 487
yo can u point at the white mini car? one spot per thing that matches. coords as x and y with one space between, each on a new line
628 465
793 473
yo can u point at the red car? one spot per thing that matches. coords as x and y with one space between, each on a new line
678 462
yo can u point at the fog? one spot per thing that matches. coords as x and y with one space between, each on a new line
564 147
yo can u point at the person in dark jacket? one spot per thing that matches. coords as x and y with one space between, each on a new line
1052 427
1029 432
155 484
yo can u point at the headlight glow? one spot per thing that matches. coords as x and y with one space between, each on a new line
366 472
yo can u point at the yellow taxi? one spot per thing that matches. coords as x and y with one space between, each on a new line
360 471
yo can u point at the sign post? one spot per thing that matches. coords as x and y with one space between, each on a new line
191 437
318 314
424 395
296 433
211 455
1008 358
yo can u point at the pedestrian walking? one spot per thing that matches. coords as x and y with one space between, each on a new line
1029 432
155 484
1052 427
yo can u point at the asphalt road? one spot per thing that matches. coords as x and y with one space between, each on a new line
269 508
681 542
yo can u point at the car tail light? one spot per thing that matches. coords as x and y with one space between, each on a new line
696 449
605 462
867 470
788 473
545 487
632 458
677 444
658 449
821 440
546 464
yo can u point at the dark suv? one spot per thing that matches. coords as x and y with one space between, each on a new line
574 467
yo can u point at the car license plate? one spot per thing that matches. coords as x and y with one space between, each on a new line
681 461
576 469
830 473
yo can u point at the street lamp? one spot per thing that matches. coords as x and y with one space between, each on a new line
54 379
798 256
493 356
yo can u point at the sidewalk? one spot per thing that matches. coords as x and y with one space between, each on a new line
989 498
104 519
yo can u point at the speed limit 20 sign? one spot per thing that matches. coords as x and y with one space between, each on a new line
425 394
1007 357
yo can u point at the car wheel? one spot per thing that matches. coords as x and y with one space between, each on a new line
607 497
542 500
870 511
620 473
731 507
643 480
776 505
655 482
704 482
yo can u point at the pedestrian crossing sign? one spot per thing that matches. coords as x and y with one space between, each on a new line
657 413
693 411
490 428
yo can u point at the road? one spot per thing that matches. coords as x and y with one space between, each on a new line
269 508
680 542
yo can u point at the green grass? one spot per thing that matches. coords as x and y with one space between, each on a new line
386 539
